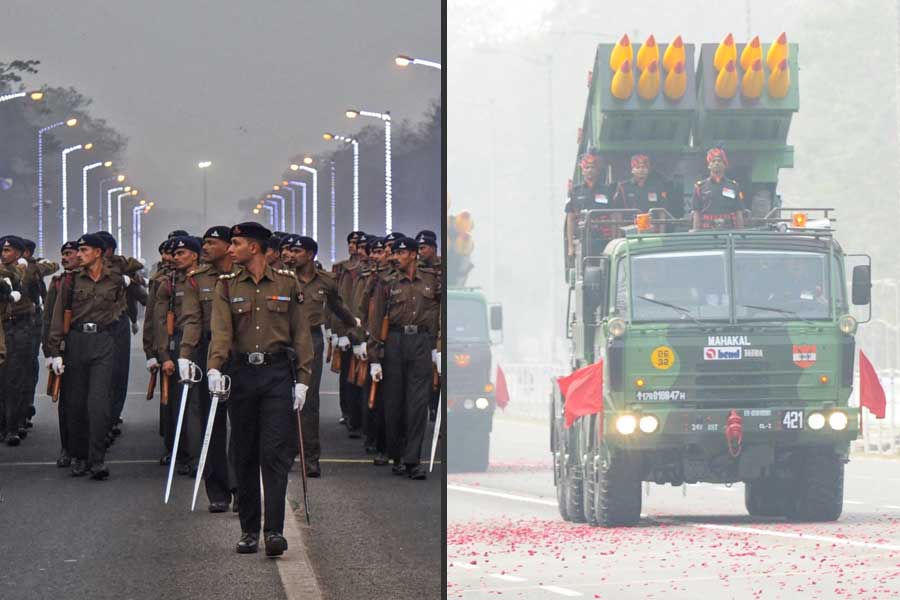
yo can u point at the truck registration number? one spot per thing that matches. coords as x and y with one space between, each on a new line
792 419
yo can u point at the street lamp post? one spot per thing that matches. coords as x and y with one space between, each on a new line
269 209
302 185
315 198
133 192
283 206
402 60
120 178
355 143
65 187
388 201
109 194
84 188
333 247
287 187
203 166
40 204
136 242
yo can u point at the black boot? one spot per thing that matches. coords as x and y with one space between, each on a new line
64 459
249 543
275 543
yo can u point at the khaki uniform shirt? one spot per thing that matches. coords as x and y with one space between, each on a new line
319 292
30 287
267 316
201 290
101 302
406 301
187 317
149 334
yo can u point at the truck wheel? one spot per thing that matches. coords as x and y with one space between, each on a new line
617 495
589 490
819 489
569 483
764 498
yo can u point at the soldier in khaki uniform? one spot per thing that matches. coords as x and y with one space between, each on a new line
97 302
199 293
429 259
258 323
69 260
149 334
345 274
177 352
411 300
319 290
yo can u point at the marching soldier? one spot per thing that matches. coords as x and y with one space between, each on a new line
258 323
718 201
69 260
319 290
199 294
39 296
429 259
346 272
410 300
150 331
91 302
176 347
379 270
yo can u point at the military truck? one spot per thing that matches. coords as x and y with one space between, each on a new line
474 326
727 354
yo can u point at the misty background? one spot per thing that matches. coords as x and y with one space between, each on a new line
517 87
160 86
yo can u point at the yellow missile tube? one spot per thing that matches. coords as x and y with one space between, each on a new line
674 54
622 83
727 81
753 81
725 52
648 53
780 80
620 53
676 81
648 83
751 53
778 52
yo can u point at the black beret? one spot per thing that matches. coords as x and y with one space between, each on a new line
107 238
378 244
353 236
306 243
426 238
393 236
363 238
177 233
92 240
287 239
163 247
280 234
274 242
218 232
251 230
68 246
169 245
186 242
29 245
14 241
405 243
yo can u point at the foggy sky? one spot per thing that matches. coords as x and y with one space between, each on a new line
243 84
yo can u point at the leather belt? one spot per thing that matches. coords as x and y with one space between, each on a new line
408 329
260 359
92 327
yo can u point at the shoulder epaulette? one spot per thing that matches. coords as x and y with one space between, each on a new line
286 273
200 269
228 275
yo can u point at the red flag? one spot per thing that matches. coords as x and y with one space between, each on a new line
871 394
583 391
502 392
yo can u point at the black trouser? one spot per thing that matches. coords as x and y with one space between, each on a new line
215 473
309 416
119 389
350 393
172 409
61 408
15 374
38 325
265 440
407 390
89 363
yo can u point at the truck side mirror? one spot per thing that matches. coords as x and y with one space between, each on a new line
496 317
862 285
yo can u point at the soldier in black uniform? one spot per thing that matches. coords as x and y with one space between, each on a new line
593 193
646 189
40 296
96 296
718 201
428 258
411 299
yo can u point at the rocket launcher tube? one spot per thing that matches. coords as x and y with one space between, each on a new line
753 81
648 83
751 53
673 55
622 82
780 80
676 82
621 53
726 52
648 53
726 81
778 52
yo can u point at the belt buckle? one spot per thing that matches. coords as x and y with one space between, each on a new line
89 328
410 329
256 358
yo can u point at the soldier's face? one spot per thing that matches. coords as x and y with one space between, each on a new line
640 171
166 258
243 249
377 255
351 248
214 250
303 257
69 259
404 258
717 166
287 257
88 256
426 251
590 170
184 259
10 255
272 256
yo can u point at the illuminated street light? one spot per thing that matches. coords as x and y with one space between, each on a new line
315 199
271 212
285 185
282 208
355 143
65 187
109 194
203 166
136 214
36 96
404 61
84 187
302 185
128 191
279 216
388 200
120 178
40 204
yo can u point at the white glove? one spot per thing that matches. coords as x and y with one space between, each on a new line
358 322
334 340
300 395
184 369
362 352
375 372
127 280
214 379
8 282
344 343
22 262
327 334
134 328
56 364
48 363
357 351
16 296
152 363
436 356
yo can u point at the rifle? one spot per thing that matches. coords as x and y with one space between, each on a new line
336 360
362 371
54 382
351 372
151 385
385 328
328 350
170 333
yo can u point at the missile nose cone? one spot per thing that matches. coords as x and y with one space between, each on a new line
624 41
754 43
647 53
726 81
780 80
651 41
751 52
752 83
777 52
622 82
653 67
729 40
730 66
726 51
674 54
679 68
678 42
621 52
782 38
626 67
757 65
676 82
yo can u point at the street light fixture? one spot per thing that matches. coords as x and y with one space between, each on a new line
283 228
84 187
203 166
109 194
36 96
388 200
40 204
290 187
65 187
128 191
355 143
120 178
315 198
307 160
137 213
402 60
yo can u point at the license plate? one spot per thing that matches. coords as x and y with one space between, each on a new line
792 420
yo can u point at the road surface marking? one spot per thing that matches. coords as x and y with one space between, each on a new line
463 566
853 502
512 578
142 461
798 536
560 590
504 495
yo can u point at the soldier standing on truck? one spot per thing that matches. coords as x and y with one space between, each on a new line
718 201
591 194
646 189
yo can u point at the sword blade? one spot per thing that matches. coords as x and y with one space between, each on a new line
437 433
206 438
303 468
184 392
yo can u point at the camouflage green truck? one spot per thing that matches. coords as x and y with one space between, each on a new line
727 354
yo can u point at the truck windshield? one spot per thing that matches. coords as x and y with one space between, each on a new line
679 286
469 322
781 285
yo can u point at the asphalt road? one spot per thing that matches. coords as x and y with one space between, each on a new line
372 534
505 536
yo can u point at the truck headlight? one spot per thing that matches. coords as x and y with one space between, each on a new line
482 403
617 327
837 421
816 421
626 424
649 423
847 325
468 404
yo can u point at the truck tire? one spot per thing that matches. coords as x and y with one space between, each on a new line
569 482
470 452
766 498
589 491
818 493
617 494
